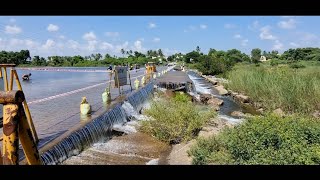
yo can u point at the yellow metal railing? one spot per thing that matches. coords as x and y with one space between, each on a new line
17 121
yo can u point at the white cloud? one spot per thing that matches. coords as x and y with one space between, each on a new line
49 44
62 37
190 28
277 45
229 26
168 52
156 39
203 26
112 34
152 25
90 36
308 37
12 20
92 45
138 45
73 44
294 44
265 33
12 29
121 46
52 28
106 46
255 25
237 36
244 42
290 24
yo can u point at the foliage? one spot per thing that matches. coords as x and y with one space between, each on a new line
263 140
255 55
175 120
293 90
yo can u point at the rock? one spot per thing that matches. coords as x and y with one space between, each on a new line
316 114
261 110
238 114
279 112
213 81
169 93
257 105
233 94
204 98
221 90
215 101
242 98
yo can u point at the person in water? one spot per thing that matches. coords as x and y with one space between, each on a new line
26 76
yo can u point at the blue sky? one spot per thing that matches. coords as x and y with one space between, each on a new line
73 35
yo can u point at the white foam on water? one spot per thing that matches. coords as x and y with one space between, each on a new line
230 119
199 86
126 128
153 162
131 112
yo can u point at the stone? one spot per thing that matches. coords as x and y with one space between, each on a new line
261 110
279 112
215 102
242 98
204 98
221 90
316 114
238 114
213 81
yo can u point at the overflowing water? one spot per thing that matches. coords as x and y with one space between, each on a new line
229 105
100 128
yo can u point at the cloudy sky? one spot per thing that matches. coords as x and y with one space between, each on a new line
83 35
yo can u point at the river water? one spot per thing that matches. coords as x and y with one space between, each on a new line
54 96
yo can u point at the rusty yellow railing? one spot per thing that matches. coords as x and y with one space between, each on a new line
17 122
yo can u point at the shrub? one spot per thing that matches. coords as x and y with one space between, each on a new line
296 66
263 140
175 120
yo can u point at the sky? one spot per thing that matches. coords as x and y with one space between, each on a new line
84 35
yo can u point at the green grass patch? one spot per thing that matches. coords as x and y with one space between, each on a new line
176 119
262 140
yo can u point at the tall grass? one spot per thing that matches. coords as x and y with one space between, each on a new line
293 90
175 120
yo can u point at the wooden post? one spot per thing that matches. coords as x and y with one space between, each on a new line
116 73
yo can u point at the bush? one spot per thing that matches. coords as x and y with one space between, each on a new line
175 120
263 140
296 66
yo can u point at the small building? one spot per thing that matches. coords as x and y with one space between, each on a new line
263 58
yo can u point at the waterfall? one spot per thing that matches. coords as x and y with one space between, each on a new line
99 128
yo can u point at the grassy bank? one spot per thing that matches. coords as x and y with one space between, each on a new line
295 90
176 119
263 140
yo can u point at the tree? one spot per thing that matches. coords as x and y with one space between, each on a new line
255 55
198 49
122 51
160 53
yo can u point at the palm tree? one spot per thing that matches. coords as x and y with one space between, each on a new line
122 51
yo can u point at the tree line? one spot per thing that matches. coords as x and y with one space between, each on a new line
214 62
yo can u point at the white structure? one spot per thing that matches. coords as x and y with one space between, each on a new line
263 58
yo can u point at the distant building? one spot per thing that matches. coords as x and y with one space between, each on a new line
263 58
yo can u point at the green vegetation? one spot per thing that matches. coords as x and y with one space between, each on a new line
263 140
293 90
175 119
